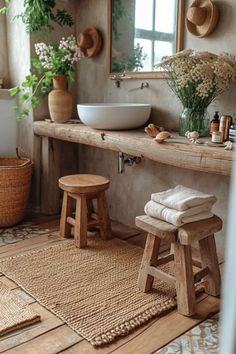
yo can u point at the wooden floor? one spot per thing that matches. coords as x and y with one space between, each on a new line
51 335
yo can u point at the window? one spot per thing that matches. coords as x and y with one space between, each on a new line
155 29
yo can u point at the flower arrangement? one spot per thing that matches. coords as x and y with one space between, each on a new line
52 60
197 78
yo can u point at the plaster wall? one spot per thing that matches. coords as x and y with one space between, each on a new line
8 126
129 192
4 74
19 65
20 52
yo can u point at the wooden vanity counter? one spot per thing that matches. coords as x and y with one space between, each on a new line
177 151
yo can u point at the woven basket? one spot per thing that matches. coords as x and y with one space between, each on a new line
15 182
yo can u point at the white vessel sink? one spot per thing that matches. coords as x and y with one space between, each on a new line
114 116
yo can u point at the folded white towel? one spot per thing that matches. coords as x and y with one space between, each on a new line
181 198
175 217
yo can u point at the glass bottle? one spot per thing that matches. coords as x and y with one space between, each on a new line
233 125
215 123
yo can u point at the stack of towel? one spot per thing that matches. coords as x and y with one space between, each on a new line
180 205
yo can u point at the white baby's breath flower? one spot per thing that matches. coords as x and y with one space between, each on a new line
205 88
228 58
166 60
198 77
183 53
205 56
202 72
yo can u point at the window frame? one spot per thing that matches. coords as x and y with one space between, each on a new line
153 35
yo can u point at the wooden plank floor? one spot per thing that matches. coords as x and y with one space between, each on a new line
51 335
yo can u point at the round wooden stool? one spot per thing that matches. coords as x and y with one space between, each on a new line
83 189
181 239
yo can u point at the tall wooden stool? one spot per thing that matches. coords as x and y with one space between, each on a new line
84 188
181 239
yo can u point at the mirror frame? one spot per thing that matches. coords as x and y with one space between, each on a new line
147 74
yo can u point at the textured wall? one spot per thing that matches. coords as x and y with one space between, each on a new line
130 191
20 51
8 127
94 85
4 74
19 65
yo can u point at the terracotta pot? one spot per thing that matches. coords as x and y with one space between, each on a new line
60 100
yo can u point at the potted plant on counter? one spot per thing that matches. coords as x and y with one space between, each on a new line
52 68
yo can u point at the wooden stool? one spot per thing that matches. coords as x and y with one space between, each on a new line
181 239
84 188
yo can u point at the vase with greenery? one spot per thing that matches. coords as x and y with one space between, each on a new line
197 78
39 15
60 103
51 60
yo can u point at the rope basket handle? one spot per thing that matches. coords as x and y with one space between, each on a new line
18 149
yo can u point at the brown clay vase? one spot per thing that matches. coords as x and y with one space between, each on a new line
60 100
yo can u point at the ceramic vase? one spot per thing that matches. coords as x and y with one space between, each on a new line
60 100
194 120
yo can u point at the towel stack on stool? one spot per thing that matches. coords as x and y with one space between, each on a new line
180 205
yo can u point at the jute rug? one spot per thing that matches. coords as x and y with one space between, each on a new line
94 290
14 313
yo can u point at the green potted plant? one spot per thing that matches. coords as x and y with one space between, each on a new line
40 14
53 62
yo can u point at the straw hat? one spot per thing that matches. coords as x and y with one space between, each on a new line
90 42
202 17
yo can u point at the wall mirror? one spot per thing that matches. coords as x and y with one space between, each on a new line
141 33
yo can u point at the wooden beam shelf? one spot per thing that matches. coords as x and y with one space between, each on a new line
176 151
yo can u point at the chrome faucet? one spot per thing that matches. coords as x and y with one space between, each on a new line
144 85
118 78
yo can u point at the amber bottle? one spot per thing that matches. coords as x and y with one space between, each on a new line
215 123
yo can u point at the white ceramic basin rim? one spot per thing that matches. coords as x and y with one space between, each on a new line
114 116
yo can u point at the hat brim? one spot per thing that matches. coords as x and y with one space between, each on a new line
96 42
210 22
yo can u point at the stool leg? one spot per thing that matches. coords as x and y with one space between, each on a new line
184 280
103 217
150 256
80 232
65 227
210 260
90 207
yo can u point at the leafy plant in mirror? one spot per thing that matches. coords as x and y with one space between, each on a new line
52 60
4 7
39 14
118 13
133 62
